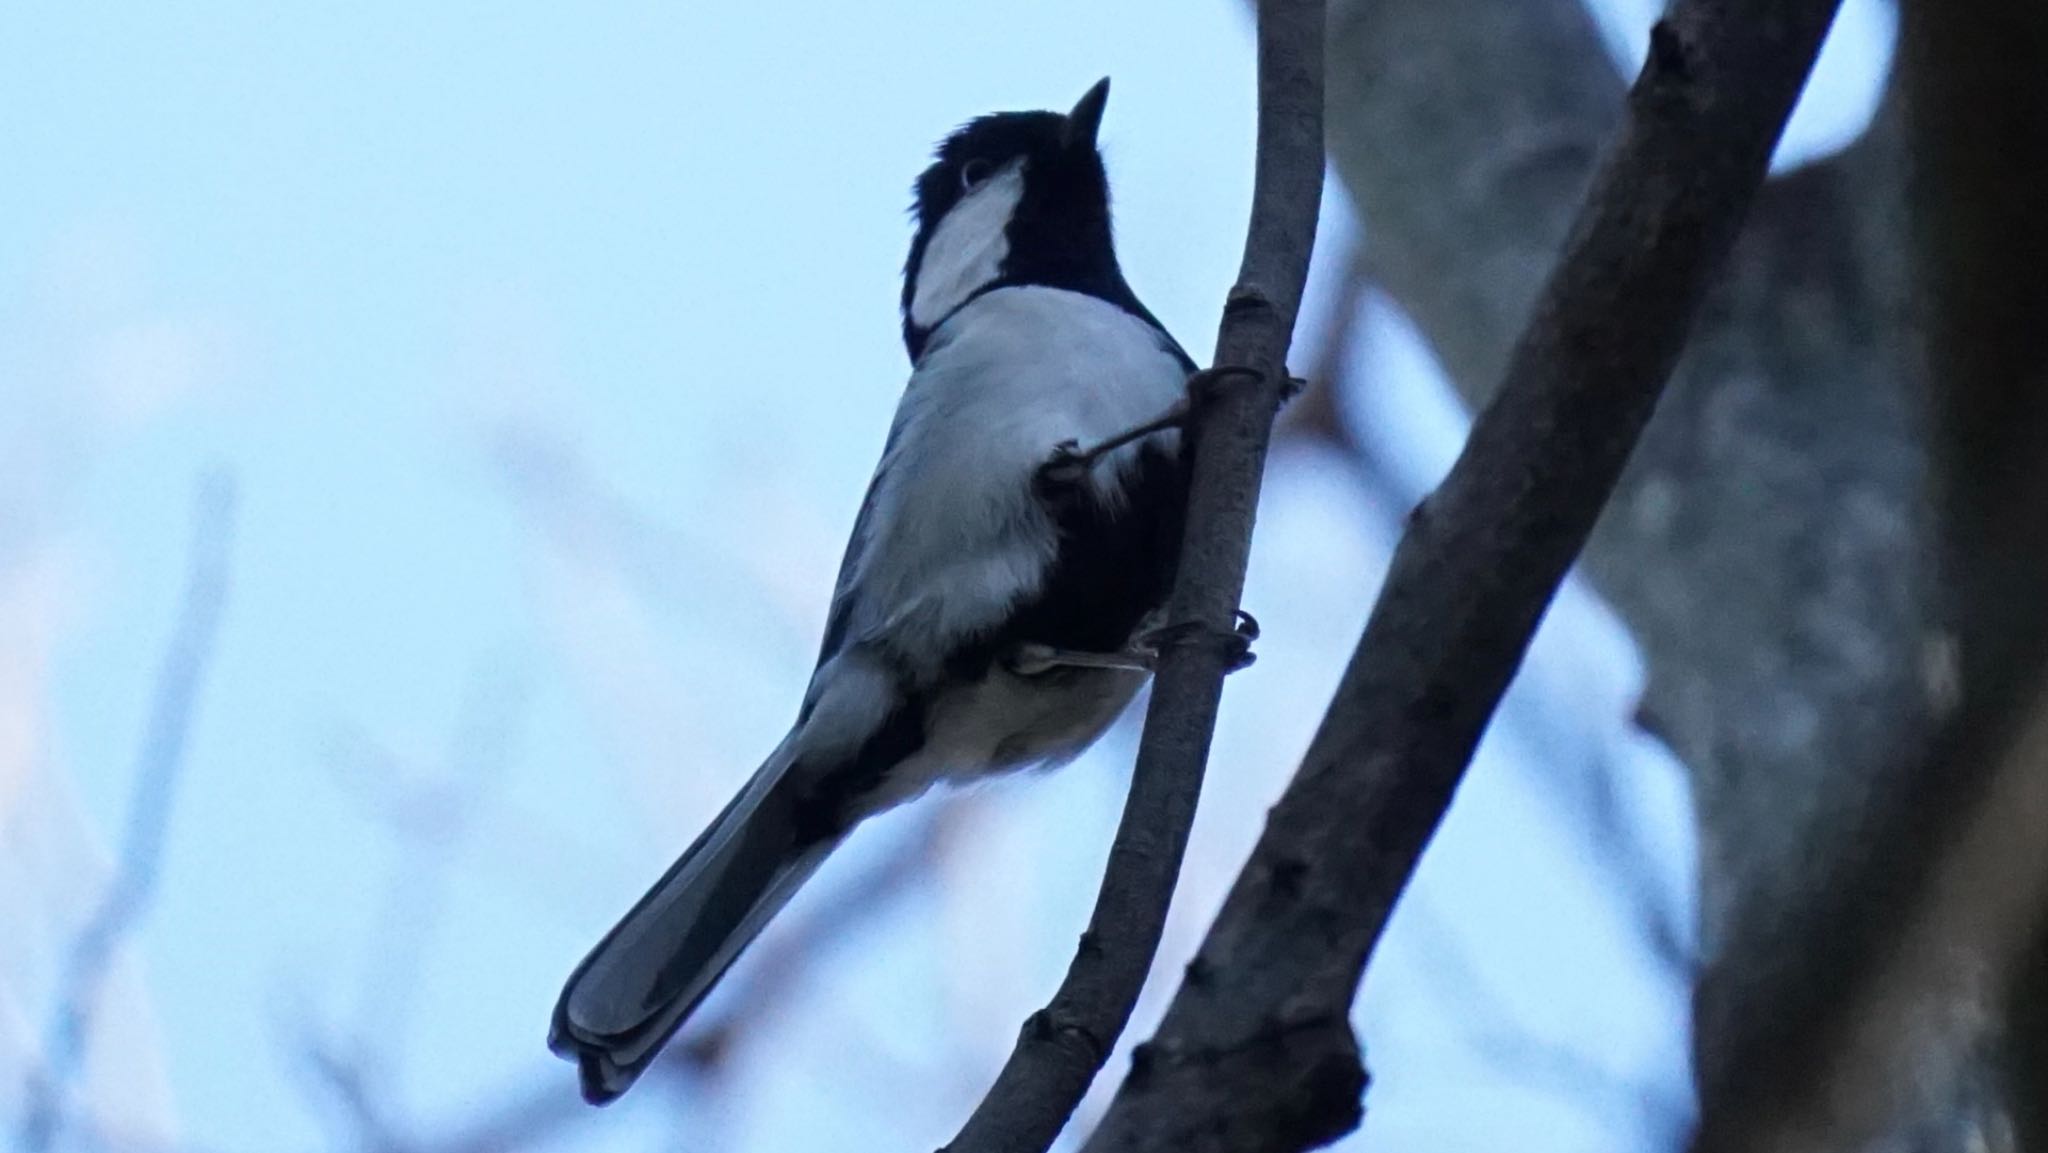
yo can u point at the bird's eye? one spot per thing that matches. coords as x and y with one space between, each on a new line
974 172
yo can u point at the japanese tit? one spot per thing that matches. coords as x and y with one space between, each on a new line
985 617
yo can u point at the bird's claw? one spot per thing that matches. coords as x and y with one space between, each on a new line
1238 641
1247 626
1247 630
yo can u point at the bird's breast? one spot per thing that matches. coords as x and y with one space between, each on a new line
1031 366
959 536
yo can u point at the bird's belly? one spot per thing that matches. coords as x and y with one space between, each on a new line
1002 722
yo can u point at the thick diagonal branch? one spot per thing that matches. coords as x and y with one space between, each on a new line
1256 1051
1063 1045
1769 545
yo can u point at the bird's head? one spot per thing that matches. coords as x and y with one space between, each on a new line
1012 198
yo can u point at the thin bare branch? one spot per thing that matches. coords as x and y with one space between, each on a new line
1063 1045
1256 1051
157 770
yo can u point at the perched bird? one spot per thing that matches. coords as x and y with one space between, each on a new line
990 610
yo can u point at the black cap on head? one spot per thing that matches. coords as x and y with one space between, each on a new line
1043 216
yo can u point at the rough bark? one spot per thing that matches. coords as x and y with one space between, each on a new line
1256 1050
1768 544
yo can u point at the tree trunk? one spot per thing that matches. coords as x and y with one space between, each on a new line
1770 545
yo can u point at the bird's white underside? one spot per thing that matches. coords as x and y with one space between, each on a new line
957 535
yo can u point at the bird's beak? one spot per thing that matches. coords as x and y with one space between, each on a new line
1087 116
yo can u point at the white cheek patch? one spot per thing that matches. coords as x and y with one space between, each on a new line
967 249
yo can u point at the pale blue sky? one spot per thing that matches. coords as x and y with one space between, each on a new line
353 251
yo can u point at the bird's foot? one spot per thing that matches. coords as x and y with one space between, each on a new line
1237 643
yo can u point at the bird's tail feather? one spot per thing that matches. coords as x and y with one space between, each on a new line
642 980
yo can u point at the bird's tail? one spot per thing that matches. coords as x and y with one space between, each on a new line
642 980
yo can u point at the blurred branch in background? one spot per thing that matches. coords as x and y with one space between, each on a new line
1064 1045
1768 545
551 484
158 766
1256 1052
432 819
430 815
1485 1020
533 1111
354 1070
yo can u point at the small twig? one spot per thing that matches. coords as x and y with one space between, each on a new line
1256 1051
1063 1045
157 769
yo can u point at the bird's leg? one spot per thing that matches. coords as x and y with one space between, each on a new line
1070 461
1029 660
